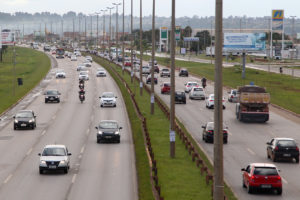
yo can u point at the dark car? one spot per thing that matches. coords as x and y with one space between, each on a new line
120 59
282 148
180 97
148 81
183 72
24 119
108 130
208 132
52 96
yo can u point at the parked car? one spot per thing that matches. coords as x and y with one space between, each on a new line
232 97
180 97
165 72
208 132
108 99
83 75
24 119
60 73
197 93
282 148
108 130
101 72
262 176
183 72
165 88
54 157
148 80
52 96
189 85
210 101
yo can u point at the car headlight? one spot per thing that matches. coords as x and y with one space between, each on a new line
30 121
100 132
117 132
46 97
43 162
16 121
62 162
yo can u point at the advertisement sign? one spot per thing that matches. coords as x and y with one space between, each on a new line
177 33
277 20
164 33
183 51
8 37
191 39
245 41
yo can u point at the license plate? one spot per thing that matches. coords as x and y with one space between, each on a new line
108 137
266 186
52 167
23 124
286 155
51 98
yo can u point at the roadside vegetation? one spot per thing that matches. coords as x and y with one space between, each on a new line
284 89
179 178
31 66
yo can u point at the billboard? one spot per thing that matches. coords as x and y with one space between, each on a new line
177 33
164 33
191 39
277 20
8 37
245 41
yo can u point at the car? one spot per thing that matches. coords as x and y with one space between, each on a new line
165 72
53 52
208 132
77 53
127 63
101 72
210 101
89 58
180 97
189 85
73 58
146 70
232 97
150 62
136 67
165 88
197 93
54 157
87 63
108 99
83 75
264 176
24 119
69 54
156 68
282 148
148 80
108 130
120 58
60 73
81 67
183 72
52 96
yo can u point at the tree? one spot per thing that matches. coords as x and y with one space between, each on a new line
204 41
187 32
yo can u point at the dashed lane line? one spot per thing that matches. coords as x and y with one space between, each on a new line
74 178
8 178
29 151
250 151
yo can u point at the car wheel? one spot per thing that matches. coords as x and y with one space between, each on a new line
66 170
98 141
297 159
115 105
58 101
15 128
118 141
244 186
249 189
279 191
46 101
224 107
202 137
101 105
41 171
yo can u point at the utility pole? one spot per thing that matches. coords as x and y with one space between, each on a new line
109 43
211 25
117 28
172 96
85 31
141 47
293 27
73 32
218 190
104 29
97 29
91 29
131 41
123 37
153 58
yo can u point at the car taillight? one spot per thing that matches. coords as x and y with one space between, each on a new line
231 96
276 148
188 86
244 109
278 179
211 100
210 132
252 178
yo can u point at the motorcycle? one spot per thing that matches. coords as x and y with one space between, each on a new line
203 82
81 86
81 95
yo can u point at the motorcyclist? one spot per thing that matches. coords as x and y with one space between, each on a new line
81 81
203 80
280 70
81 86
81 95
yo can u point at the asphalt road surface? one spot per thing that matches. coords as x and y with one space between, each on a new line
98 171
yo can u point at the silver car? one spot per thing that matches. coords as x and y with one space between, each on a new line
83 75
197 93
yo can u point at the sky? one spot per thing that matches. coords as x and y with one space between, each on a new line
201 8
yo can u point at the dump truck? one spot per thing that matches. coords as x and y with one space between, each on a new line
252 104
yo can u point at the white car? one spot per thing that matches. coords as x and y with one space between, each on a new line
165 72
87 63
108 99
89 58
232 97
101 72
145 70
54 157
210 101
60 74
81 67
190 85
73 58
83 75
197 93
77 53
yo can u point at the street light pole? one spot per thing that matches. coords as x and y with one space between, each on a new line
97 30
153 57
117 28
218 190
109 44
141 47
85 32
131 41
104 29
123 39
172 96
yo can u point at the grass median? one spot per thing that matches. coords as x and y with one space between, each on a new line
31 66
179 178
284 89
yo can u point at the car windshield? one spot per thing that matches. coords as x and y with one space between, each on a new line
60 71
265 171
83 73
193 84
286 143
24 115
52 92
108 125
180 93
54 152
108 95
234 92
165 70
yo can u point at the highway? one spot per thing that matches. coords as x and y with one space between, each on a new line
105 171
246 141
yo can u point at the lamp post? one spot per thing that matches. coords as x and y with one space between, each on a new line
141 47
97 29
153 57
109 44
123 35
104 29
91 29
131 40
117 28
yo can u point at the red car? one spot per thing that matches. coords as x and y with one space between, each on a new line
165 88
262 176
127 63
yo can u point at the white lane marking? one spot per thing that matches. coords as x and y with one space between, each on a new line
29 151
285 181
74 178
87 131
250 151
43 133
7 179
82 149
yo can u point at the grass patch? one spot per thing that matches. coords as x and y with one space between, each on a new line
179 178
284 89
31 66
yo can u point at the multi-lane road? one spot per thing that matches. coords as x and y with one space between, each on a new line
97 170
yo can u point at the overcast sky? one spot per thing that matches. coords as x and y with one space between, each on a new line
202 8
